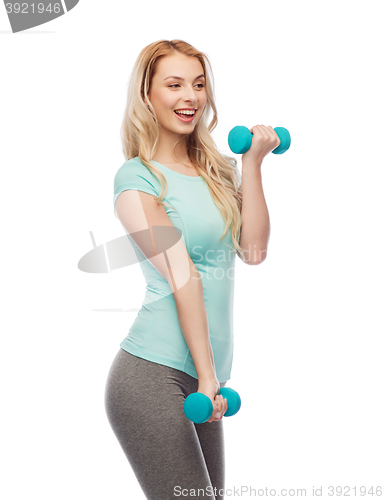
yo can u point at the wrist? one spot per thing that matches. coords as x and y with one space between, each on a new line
207 375
204 363
251 163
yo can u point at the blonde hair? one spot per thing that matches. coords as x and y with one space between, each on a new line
140 134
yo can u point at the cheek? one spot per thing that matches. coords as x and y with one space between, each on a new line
160 101
167 103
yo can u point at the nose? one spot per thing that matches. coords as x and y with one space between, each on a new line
190 96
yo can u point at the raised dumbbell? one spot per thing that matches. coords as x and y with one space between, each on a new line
240 140
198 407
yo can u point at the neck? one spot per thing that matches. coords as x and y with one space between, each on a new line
164 148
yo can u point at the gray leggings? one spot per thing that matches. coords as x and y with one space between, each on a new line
171 456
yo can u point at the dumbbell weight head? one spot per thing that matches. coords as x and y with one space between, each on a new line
233 401
240 139
198 407
285 140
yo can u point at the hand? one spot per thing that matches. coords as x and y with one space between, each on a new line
210 387
264 141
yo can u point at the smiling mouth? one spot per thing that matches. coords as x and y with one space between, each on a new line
185 117
185 112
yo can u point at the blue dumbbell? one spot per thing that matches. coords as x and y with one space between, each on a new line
240 140
198 407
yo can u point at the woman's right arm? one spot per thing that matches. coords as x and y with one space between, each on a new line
139 211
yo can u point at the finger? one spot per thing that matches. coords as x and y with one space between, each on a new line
218 398
265 132
256 131
216 412
220 401
215 409
274 134
222 408
269 131
225 405
222 405
219 407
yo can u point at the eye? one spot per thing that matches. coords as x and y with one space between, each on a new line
176 84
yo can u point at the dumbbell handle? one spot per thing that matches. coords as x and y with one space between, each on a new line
240 140
198 407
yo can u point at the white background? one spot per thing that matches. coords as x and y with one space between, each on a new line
308 325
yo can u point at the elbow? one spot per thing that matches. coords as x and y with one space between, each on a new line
259 260
254 258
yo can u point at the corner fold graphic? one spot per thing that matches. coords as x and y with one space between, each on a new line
70 4
23 16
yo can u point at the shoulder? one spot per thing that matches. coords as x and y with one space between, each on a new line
134 168
133 174
134 165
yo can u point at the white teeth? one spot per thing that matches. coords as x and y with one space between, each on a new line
185 112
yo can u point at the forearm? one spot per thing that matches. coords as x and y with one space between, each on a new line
255 223
193 321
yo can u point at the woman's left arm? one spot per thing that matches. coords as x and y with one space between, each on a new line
255 224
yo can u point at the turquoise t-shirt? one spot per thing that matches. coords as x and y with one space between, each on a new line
155 334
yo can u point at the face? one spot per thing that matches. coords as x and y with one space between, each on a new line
168 93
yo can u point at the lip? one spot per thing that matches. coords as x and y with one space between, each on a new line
182 118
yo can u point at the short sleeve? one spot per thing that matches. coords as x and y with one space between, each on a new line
134 174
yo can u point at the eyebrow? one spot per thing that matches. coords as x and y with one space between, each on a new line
179 78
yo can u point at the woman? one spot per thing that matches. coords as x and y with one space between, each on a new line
179 201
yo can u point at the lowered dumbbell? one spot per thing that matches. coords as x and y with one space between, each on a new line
198 407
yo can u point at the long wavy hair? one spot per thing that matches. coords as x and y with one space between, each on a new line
140 134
